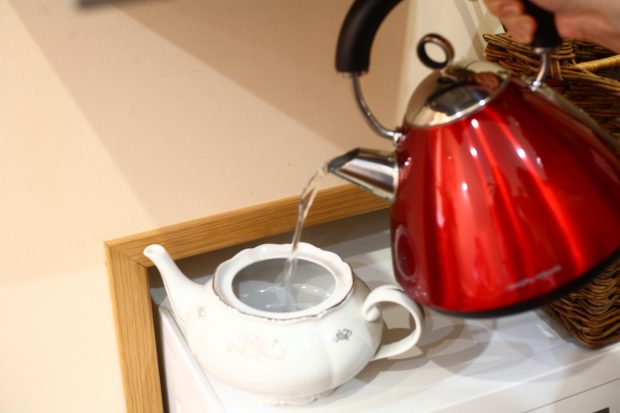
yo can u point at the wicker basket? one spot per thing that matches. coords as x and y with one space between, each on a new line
592 314
589 76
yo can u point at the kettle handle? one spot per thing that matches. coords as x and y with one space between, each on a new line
353 52
546 38
358 32
546 35
365 16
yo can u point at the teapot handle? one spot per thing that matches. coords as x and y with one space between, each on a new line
371 312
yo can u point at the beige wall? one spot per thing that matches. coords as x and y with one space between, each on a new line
116 120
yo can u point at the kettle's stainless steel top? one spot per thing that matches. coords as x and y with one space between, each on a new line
452 91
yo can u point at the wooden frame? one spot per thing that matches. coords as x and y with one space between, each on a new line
129 284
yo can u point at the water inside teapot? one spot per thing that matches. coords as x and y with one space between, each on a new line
260 286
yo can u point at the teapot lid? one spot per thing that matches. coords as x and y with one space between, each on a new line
452 91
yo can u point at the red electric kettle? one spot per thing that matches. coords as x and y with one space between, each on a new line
504 195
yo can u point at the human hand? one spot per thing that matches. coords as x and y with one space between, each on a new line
594 20
519 26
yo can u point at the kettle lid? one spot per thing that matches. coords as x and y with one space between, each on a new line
452 91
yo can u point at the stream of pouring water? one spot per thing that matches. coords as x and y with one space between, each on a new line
307 198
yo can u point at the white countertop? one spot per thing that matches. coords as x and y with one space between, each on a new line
518 363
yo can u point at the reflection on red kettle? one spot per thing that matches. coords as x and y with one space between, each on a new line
504 195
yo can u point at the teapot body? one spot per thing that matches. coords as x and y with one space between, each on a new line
498 209
283 346
284 361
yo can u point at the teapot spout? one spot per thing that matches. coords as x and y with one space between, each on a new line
184 294
372 170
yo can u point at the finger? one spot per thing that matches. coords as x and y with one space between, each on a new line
520 28
505 8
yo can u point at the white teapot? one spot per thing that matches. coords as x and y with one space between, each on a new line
243 332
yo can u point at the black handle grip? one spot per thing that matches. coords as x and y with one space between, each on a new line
546 35
358 32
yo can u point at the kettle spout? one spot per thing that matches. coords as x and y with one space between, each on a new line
184 294
372 170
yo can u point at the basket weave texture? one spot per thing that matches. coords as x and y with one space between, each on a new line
589 76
